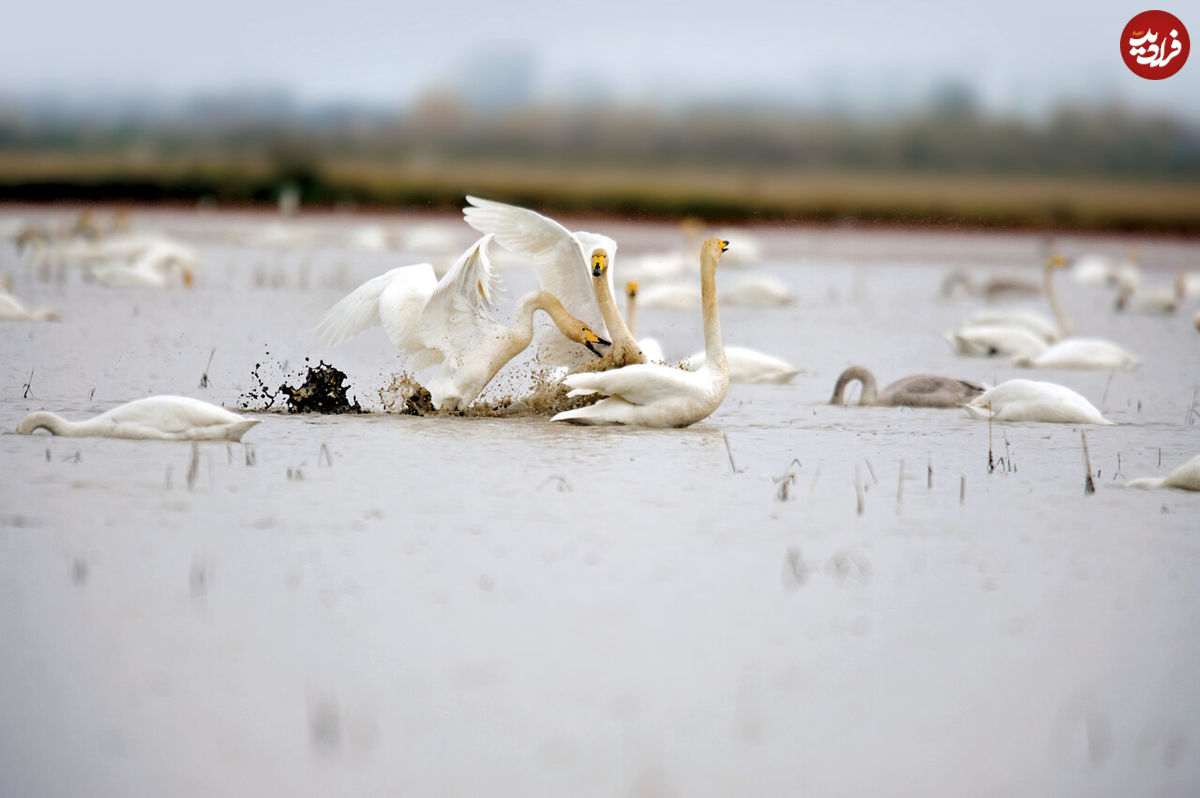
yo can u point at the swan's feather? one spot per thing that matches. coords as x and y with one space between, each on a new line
456 316
559 257
393 299
639 384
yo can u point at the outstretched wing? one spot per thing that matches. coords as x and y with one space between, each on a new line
560 262
393 299
456 316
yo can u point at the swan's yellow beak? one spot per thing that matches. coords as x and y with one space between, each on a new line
590 340
599 262
1056 261
724 246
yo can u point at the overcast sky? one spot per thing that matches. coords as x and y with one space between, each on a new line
1016 54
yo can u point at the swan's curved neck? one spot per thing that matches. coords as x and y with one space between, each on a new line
714 349
54 424
529 304
1060 315
624 350
869 390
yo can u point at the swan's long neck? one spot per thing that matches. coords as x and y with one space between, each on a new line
869 390
714 348
1060 316
624 349
54 424
522 330
631 311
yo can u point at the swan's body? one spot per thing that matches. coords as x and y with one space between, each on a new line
919 390
1093 354
1150 301
1187 284
174 418
670 296
564 262
659 396
757 291
1186 477
986 341
993 288
1027 320
748 366
1028 400
1101 270
446 322
11 309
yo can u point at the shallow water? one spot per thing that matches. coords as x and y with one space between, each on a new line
465 606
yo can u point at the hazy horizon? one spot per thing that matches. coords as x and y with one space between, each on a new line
862 57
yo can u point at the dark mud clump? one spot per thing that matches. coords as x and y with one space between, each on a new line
407 396
324 390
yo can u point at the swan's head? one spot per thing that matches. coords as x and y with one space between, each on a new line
1056 262
590 340
713 248
631 289
599 262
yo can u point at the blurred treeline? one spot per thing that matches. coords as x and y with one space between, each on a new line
1078 167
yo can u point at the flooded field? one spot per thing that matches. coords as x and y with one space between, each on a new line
401 605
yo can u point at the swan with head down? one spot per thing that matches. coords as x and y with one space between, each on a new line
918 390
174 418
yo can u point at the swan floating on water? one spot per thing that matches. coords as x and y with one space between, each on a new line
651 395
1186 477
447 322
173 418
565 263
1094 354
1029 400
919 390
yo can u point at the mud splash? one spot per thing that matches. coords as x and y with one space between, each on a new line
324 390
547 396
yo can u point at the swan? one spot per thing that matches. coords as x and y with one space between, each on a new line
993 288
745 365
757 291
562 260
651 395
670 296
1159 301
446 322
1187 284
1186 477
919 390
1029 400
1081 353
1049 331
1102 270
988 340
650 347
11 309
173 418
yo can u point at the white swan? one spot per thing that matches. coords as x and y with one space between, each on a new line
918 390
757 291
174 418
565 263
1150 301
985 341
651 395
1102 270
1028 400
745 365
447 322
1186 477
1094 354
1045 329
670 296
11 309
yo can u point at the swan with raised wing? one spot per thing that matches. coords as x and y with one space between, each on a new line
446 323
565 262
174 418
918 390
651 395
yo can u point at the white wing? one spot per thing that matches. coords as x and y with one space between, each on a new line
393 299
456 316
558 258
640 384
